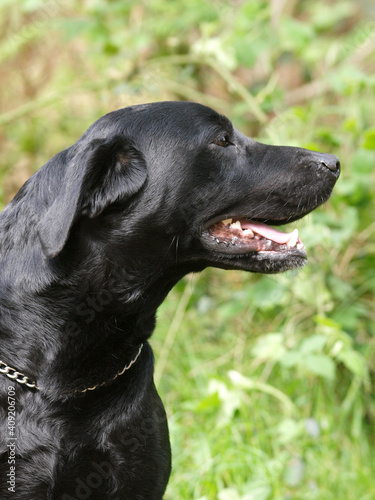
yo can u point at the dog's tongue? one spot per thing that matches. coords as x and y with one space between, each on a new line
267 232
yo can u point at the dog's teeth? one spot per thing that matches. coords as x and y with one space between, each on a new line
300 246
293 239
248 232
236 225
226 222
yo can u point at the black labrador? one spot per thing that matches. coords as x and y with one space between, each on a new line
89 248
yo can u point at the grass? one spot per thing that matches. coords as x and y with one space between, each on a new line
243 425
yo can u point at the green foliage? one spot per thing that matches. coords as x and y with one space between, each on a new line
268 380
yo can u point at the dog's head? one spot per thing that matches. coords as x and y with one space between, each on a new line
176 183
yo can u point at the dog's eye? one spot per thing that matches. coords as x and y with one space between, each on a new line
223 141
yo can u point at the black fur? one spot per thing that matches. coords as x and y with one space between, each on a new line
90 247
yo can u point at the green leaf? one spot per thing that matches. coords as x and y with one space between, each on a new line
339 288
291 358
363 161
258 492
369 139
354 362
307 290
231 309
350 316
314 343
295 35
210 402
268 293
320 365
270 346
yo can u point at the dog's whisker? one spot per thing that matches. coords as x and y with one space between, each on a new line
176 247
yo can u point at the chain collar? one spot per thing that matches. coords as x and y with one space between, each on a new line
126 368
16 376
19 377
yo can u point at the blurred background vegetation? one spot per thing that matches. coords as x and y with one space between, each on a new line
268 380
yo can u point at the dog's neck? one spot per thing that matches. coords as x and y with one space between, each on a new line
83 309
87 329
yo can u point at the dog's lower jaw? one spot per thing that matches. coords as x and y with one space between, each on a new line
266 262
262 262
271 263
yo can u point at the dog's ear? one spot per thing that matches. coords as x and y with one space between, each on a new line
103 172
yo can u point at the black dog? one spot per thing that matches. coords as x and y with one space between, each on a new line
90 247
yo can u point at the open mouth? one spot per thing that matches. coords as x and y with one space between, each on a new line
243 236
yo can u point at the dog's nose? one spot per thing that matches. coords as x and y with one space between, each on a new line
330 161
